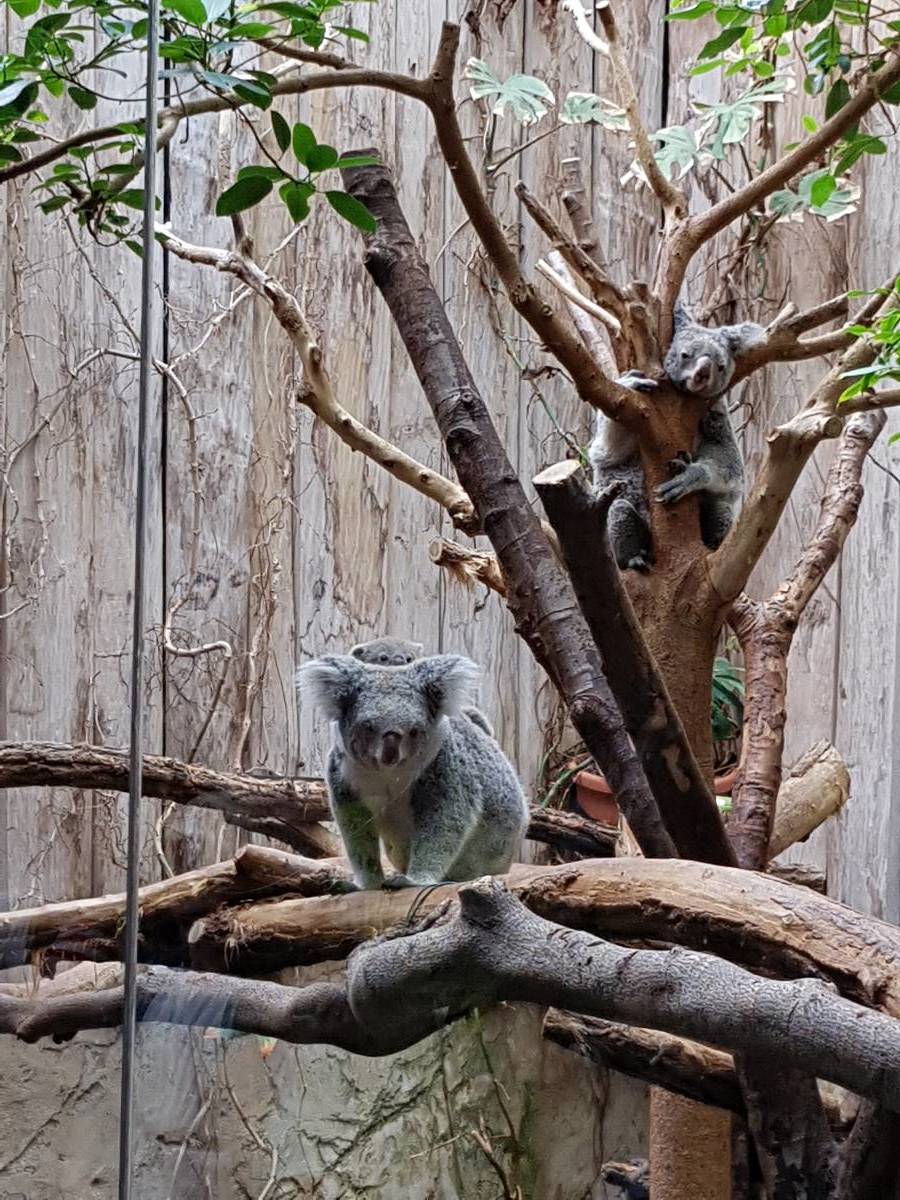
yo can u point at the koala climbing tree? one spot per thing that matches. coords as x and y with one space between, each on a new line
629 651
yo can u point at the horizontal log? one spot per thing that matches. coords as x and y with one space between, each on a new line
749 918
88 928
490 949
286 809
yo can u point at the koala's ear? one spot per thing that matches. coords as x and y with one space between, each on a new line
416 649
740 338
681 317
356 651
447 680
330 683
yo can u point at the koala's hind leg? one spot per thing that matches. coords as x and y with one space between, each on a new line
629 536
716 518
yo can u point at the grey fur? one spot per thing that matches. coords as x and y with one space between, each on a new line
613 455
406 768
395 652
699 361
388 652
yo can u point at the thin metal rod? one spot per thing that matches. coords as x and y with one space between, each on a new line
136 742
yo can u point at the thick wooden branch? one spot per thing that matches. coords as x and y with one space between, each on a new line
817 787
687 1068
492 949
784 342
593 386
286 809
678 784
318 394
766 632
71 928
870 1162
746 917
690 234
539 593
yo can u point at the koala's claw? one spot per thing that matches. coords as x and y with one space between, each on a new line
681 460
674 489
636 381
396 880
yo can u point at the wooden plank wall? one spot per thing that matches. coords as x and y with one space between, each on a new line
271 536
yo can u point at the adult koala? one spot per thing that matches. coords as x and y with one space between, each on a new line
701 362
408 770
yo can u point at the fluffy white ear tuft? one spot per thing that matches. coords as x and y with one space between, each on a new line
448 680
329 683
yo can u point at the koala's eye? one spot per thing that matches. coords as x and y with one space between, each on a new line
416 732
383 658
685 355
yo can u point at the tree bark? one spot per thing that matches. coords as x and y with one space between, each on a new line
680 787
491 950
539 593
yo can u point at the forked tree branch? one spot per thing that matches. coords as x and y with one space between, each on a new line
689 235
492 950
766 631
318 395
789 446
539 593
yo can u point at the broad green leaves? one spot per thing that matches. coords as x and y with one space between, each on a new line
581 108
527 98
885 337
313 158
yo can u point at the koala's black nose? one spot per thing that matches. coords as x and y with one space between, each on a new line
390 748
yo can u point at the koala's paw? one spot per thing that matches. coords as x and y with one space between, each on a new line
396 880
690 477
639 562
635 381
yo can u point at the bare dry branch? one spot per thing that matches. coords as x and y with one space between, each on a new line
468 566
318 395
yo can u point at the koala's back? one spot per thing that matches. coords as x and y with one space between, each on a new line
472 777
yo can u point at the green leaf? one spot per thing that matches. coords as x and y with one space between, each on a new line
261 172
821 190
9 154
216 8
349 32
892 95
528 98
321 158
725 39
579 108
810 124
82 97
296 198
813 12
54 203
304 142
691 12
192 11
838 95
250 30
282 131
242 195
24 8
253 93
895 437
352 210
359 160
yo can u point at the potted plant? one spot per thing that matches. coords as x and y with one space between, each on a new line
593 795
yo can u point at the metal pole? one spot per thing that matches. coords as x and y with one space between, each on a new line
136 742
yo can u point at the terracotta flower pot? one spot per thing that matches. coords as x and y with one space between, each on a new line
596 800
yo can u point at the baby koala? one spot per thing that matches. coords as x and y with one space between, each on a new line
408 770
395 652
